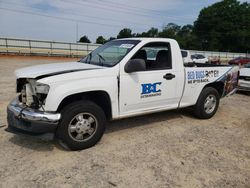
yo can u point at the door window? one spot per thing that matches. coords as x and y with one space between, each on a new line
157 56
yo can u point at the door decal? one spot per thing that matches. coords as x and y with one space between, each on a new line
151 90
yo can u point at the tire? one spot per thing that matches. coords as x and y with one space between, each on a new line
82 125
207 103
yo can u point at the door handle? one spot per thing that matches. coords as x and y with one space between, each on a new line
169 76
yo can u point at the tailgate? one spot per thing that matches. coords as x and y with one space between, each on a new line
230 80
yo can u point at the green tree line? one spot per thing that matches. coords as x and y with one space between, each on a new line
223 26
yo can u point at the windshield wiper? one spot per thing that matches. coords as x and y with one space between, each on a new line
101 58
89 58
86 59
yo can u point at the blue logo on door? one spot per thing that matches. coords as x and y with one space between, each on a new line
150 88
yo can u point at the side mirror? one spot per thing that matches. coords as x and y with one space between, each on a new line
135 65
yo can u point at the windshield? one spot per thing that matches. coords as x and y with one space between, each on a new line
193 56
200 56
184 53
110 53
247 66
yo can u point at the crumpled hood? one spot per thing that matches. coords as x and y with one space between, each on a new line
245 72
53 69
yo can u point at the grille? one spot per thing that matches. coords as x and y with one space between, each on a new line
247 78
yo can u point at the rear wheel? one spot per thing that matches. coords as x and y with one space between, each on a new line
82 125
207 103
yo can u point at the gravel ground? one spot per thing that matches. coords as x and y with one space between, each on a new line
169 149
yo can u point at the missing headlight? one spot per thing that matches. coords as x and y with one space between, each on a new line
42 88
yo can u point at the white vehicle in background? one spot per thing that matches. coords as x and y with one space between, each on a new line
244 79
199 58
120 79
186 56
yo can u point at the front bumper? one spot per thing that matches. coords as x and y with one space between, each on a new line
25 120
244 85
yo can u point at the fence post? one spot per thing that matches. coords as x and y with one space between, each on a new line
70 50
6 43
30 46
76 54
51 48
87 49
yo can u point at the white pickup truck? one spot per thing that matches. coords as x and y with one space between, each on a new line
74 100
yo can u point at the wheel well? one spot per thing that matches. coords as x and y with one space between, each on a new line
101 98
219 86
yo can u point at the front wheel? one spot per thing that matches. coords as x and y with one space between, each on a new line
207 103
82 125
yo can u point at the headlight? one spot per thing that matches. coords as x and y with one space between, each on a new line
42 88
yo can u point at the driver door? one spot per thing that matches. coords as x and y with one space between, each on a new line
153 89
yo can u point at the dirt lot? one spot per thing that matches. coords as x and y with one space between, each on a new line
169 149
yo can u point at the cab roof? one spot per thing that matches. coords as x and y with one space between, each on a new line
145 39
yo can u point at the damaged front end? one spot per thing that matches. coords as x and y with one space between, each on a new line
26 114
32 93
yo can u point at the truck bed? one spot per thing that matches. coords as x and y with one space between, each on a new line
203 65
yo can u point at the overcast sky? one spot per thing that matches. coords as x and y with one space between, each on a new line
58 19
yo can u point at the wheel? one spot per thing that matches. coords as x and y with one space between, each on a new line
82 125
207 103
